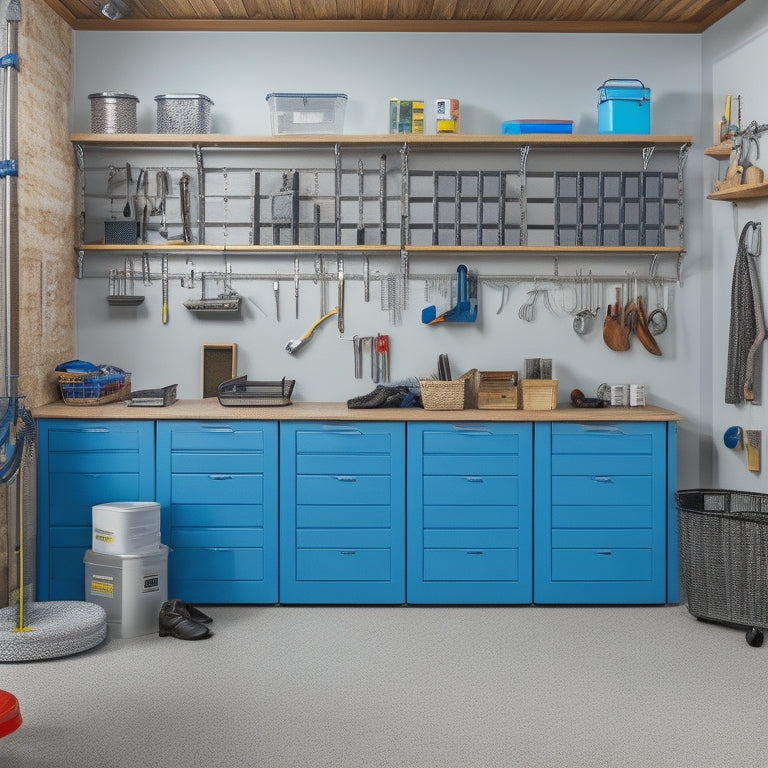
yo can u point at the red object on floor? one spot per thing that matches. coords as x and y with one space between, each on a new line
10 715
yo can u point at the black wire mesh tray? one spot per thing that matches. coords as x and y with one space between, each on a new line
159 397
241 392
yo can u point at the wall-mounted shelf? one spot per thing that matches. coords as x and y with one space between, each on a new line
721 151
741 192
160 140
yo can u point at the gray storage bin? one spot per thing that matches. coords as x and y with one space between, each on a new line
724 555
183 113
113 112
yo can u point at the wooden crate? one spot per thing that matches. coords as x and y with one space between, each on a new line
539 394
498 390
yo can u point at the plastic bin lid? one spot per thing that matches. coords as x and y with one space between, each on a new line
306 96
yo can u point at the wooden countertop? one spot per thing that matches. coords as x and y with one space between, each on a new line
210 409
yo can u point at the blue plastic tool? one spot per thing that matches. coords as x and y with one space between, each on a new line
465 310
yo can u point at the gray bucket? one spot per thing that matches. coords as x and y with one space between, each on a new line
113 112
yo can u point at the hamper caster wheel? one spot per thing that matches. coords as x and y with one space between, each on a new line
754 637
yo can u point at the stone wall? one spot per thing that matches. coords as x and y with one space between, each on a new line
47 225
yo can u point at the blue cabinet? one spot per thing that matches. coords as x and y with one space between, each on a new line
82 463
217 486
342 512
469 513
602 500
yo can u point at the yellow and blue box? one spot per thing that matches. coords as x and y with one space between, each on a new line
623 106
406 116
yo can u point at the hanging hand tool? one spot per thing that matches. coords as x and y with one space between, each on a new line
382 356
163 190
383 200
186 214
294 345
276 292
128 180
360 189
256 227
165 287
341 294
296 284
366 278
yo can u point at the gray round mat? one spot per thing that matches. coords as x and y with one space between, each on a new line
58 628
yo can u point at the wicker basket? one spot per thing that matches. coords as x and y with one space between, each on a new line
93 388
539 394
453 395
724 555
498 390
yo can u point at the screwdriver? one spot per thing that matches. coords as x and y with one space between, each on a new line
382 353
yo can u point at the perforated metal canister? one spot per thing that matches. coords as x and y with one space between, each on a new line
113 112
183 113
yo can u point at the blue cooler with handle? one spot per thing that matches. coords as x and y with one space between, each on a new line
623 106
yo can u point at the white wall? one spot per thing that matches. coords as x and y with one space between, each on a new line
734 58
496 77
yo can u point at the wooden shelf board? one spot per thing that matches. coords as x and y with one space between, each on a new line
552 140
742 192
500 250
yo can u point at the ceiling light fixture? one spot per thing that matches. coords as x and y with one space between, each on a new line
115 9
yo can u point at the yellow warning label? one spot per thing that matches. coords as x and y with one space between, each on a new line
108 537
102 588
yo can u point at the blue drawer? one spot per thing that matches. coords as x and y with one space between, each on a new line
348 516
71 497
603 564
245 463
346 564
601 463
451 565
216 437
216 515
342 489
470 440
340 439
601 489
470 489
96 436
477 464
471 516
217 537
341 464
472 538
610 516
351 538
93 462
215 488
211 590
219 563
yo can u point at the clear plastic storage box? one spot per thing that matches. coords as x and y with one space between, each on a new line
306 112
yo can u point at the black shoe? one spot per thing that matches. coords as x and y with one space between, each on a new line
187 611
174 621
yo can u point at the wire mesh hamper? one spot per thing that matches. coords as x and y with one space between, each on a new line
724 557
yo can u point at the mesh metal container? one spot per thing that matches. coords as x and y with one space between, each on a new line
183 113
724 555
113 112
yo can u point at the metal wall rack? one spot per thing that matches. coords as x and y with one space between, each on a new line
476 197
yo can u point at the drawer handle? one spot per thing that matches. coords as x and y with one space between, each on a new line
474 479
600 479
346 479
220 477
475 552
604 553
471 430
347 552
340 430
94 430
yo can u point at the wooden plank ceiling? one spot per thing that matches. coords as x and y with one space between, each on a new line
631 16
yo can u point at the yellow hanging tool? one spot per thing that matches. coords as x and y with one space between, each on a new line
294 345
